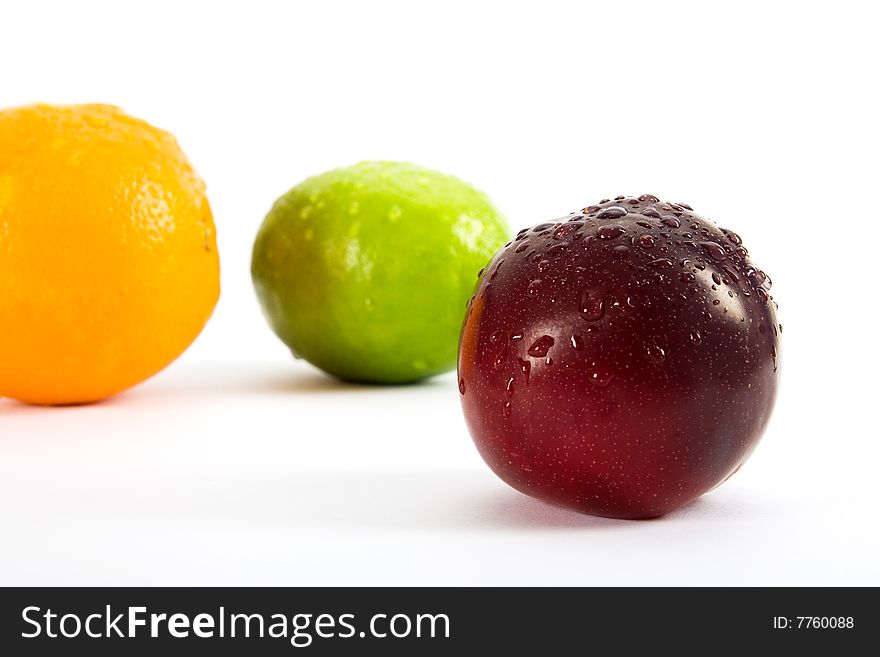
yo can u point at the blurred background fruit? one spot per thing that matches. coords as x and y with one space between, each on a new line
108 260
365 271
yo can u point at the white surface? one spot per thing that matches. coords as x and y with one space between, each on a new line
274 474
225 470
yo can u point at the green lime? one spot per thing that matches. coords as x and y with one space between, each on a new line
365 271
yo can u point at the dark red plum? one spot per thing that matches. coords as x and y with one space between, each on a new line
620 361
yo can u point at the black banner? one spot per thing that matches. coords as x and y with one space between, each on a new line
342 621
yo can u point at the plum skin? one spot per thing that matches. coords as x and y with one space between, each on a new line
621 361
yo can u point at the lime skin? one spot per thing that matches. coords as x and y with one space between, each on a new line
365 271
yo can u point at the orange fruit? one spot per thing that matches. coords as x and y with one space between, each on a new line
108 259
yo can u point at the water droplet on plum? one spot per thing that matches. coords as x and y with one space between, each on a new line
541 346
715 250
656 354
613 212
609 232
646 241
592 304
601 375
733 237
525 367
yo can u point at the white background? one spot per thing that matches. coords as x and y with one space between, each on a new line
239 466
